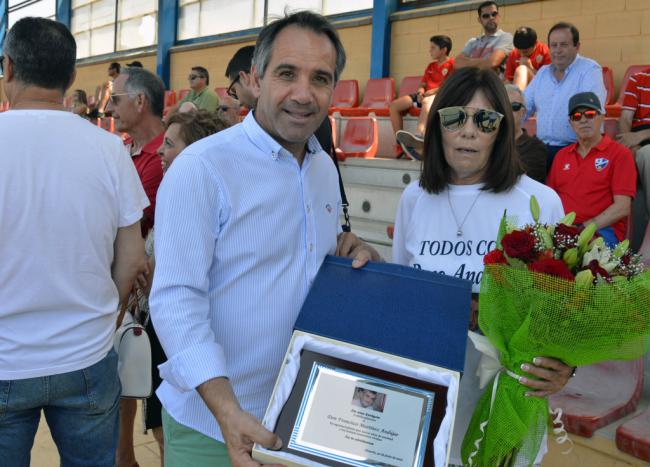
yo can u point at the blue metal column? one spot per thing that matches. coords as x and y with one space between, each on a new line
64 12
167 25
4 21
380 45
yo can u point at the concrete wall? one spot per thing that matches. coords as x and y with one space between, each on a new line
616 33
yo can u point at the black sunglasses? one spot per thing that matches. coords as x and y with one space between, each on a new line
231 91
494 14
517 106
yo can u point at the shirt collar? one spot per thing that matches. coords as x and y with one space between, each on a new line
150 148
570 67
267 144
602 145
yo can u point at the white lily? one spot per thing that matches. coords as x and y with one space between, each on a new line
603 255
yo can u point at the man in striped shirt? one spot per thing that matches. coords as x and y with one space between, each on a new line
244 220
634 127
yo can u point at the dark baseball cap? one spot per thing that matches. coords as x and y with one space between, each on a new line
583 100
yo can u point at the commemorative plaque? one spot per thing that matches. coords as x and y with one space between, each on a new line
341 413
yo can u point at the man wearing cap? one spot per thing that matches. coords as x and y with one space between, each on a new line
596 176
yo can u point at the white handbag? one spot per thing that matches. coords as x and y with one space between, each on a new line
131 343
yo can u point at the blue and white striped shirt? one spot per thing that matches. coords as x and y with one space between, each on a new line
241 230
550 98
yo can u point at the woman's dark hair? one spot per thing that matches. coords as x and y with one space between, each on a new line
81 96
196 125
504 168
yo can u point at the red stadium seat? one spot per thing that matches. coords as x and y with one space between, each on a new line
4 106
608 79
360 138
379 93
614 110
611 126
170 98
409 85
221 92
181 94
599 395
633 436
346 95
107 123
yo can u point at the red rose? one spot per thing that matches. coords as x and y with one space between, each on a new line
595 269
566 236
569 230
552 267
495 257
520 245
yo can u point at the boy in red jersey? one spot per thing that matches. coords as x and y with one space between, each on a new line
528 56
435 74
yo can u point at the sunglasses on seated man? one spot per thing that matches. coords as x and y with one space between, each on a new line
455 118
494 14
192 77
588 114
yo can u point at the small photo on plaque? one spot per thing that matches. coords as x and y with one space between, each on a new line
368 399
341 413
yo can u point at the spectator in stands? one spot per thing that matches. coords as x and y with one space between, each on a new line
238 72
595 177
226 192
434 75
80 103
135 64
137 104
103 91
200 95
532 152
528 56
549 92
229 110
492 48
71 249
634 127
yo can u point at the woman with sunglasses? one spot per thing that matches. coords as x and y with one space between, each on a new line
448 220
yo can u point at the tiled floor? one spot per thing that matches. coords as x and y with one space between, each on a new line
44 453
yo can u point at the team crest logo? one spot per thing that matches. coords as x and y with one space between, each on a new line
329 208
601 163
445 71
538 59
567 167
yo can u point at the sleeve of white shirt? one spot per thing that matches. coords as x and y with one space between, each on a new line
593 82
529 95
402 220
189 210
131 195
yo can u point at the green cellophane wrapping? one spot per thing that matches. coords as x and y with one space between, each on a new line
527 315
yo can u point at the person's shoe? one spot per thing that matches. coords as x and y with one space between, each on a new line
412 144
399 151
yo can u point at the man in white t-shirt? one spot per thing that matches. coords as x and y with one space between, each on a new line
70 209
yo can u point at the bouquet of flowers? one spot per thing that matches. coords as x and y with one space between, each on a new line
550 291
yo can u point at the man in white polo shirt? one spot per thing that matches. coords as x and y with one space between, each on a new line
70 209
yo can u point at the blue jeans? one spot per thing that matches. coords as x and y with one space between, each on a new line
81 409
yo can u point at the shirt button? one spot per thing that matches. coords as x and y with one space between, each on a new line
308 209
311 247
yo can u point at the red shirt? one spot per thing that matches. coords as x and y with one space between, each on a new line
637 98
435 74
587 186
147 163
539 57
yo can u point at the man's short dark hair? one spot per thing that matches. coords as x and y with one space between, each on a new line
302 19
203 72
442 42
136 64
241 61
115 66
503 167
139 80
564 25
524 38
486 4
43 53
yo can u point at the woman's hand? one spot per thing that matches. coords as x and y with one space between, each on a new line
553 376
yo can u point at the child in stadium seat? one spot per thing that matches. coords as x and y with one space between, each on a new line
435 74
528 56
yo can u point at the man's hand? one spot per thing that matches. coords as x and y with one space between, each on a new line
350 246
420 96
553 374
630 139
240 431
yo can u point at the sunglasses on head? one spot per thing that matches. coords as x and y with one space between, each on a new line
517 106
589 115
494 14
455 118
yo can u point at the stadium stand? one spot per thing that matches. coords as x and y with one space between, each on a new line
346 95
614 110
377 97
360 138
